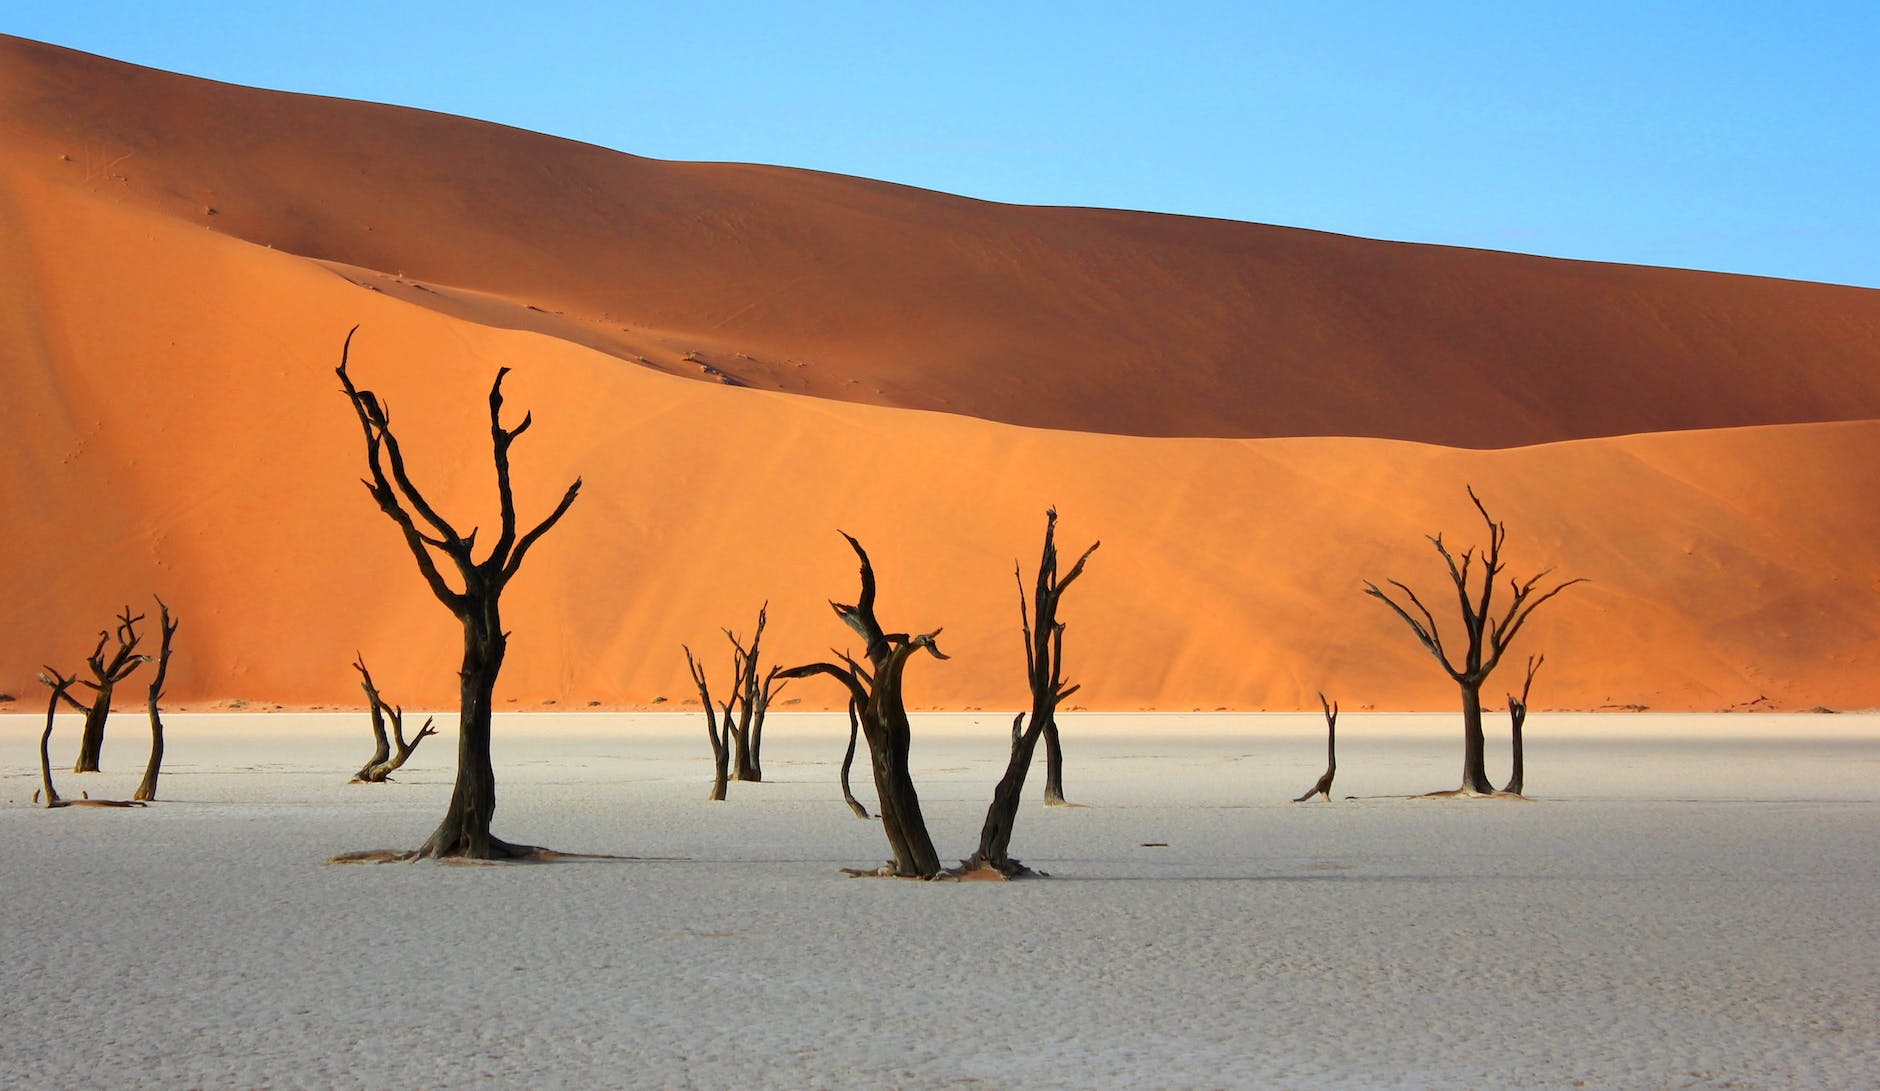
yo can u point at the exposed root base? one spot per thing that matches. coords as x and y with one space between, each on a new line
517 854
97 803
980 871
1467 793
1060 801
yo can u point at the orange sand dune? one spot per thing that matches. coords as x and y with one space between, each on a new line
861 291
174 426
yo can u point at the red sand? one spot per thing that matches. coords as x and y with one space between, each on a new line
175 425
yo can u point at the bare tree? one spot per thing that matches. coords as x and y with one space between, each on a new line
1324 785
752 695
147 788
61 687
1044 670
106 672
1517 716
882 713
385 759
1486 637
465 830
721 745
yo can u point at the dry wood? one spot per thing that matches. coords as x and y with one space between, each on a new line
1517 716
147 788
1324 785
390 749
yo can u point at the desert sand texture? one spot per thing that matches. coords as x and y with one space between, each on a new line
1687 902
1253 420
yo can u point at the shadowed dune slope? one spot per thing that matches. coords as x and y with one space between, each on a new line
174 424
860 291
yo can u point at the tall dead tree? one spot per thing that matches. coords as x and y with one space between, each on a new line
721 744
390 749
61 688
1486 636
882 712
1044 670
1324 785
106 673
1517 716
147 788
465 830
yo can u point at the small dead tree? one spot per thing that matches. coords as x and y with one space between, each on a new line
385 759
1486 636
147 788
1324 785
61 687
721 748
1044 670
752 695
882 713
106 673
1517 716
465 830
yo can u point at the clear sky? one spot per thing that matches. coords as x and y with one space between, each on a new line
1742 137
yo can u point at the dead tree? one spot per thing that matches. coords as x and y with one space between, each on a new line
1044 669
106 674
147 788
1517 716
1053 768
389 749
752 697
465 830
882 713
61 687
1324 785
848 759
721 748
1486 636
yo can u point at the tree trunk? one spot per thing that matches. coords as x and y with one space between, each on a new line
45 741
1517 714
465 830
91 743
1474 768
884 721
147 788
995 837
743 752
1053 766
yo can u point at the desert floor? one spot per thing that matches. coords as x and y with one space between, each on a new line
1687 902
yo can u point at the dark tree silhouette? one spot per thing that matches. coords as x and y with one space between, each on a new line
1486 637
1517 716
1044 670
61 687
465 830
721 745
106 673
882 713
147 788
848 759
1324 785
391 749
752 691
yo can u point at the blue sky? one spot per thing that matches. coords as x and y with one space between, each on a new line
1742 137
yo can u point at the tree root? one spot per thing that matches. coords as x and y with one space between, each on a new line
87 801
515 854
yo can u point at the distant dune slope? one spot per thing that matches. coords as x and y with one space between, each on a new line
174 426
861 291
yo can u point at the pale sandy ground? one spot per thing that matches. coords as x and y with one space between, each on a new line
1690 902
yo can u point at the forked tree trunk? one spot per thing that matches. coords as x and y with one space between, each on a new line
390 748
60 685
883 718
721 748
147 788
465 830
1044 670
106 674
